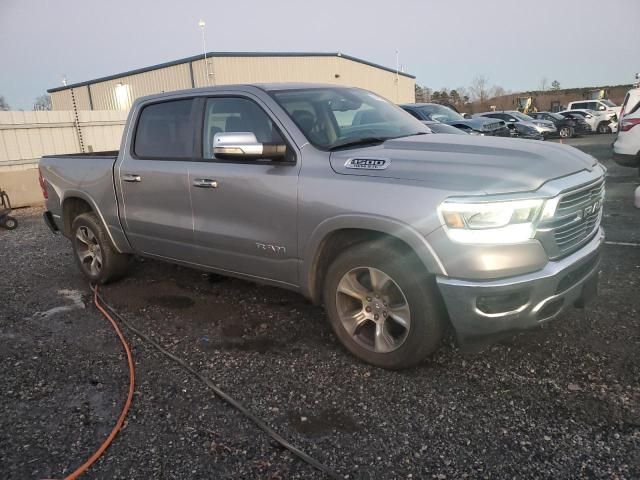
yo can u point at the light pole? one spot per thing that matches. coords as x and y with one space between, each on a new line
201 24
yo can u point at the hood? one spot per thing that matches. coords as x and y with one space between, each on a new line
467 164
478 124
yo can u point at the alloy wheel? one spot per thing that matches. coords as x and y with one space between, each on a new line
88 250
373 309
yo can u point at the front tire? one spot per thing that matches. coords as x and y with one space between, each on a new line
95 255
566 132
383 307
603 127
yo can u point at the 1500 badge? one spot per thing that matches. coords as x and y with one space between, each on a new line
367 163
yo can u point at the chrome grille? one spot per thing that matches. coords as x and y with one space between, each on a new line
577 218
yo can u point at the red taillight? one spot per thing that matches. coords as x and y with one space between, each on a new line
628 123
42 186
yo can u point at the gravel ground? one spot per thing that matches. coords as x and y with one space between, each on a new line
561 401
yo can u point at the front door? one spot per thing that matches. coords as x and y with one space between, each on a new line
153 180
245 212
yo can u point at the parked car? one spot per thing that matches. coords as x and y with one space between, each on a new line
474 126
626 149
437 127
579 119
567 127
523 125
605 106
598 121
396 231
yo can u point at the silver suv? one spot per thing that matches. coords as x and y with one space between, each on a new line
342 196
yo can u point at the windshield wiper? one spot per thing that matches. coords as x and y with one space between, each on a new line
412 134
372 140
360 141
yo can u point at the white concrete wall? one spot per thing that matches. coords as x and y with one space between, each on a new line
26 136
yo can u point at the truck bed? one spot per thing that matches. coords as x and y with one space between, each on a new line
111 154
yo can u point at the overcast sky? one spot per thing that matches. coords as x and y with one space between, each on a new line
444 43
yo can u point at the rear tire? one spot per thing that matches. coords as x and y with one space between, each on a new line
95 255
392 315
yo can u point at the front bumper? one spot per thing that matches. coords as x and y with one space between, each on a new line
478 308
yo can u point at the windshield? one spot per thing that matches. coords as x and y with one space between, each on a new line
521 116
332 117
608 103
440 113
557 116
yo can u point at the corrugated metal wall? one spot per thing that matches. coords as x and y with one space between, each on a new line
26 136
109 95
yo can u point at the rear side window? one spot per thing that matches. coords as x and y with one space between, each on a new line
575 106
164 131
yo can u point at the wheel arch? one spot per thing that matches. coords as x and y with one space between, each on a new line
337 234
75 203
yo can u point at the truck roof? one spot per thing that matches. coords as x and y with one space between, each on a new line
266 87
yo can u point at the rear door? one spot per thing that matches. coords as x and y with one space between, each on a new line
153 180
245 212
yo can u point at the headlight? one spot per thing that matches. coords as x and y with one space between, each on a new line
473 132
494 222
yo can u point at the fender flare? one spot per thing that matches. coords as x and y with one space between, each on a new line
389 226
119 241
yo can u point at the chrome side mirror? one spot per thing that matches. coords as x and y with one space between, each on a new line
244 146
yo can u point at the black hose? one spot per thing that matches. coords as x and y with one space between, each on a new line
234 403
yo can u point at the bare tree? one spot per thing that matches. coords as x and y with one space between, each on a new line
498 91
4 106
479 89
43 102
544 84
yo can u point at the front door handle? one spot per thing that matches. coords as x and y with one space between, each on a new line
205 183
130 177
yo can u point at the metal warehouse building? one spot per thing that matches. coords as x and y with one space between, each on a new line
116 92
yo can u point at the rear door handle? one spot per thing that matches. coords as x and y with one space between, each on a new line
205 183
130 177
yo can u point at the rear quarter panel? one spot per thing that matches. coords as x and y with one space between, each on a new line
89 178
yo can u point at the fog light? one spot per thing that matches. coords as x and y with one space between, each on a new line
503 303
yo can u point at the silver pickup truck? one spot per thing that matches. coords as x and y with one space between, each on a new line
342 196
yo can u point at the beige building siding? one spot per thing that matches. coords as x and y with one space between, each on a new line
105 95
63 100
332 70
118 92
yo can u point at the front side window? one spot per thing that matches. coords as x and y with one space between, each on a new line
164 130
236 114
335 117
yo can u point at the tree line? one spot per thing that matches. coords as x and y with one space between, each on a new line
479 91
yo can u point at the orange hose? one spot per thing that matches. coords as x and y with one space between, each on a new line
125 409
